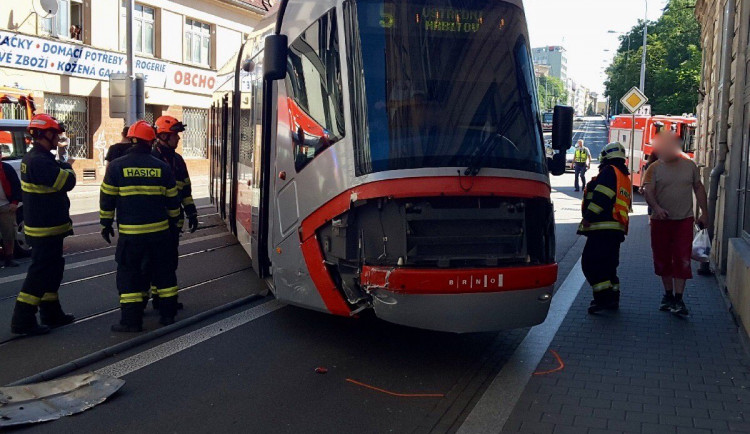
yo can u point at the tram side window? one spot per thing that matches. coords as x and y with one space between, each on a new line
313 84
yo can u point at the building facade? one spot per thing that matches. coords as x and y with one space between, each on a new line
64 61
555 57
724 142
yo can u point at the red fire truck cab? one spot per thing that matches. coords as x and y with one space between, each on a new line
646 129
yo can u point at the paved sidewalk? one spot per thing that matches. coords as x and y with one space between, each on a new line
641 370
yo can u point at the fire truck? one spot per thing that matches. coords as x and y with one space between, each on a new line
646 129
15 104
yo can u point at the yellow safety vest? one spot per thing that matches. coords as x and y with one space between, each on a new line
581 155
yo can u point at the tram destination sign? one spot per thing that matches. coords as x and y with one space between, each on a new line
77 60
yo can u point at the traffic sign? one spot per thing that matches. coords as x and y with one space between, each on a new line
633 100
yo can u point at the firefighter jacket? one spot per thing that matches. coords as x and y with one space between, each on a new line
45 183
182 179
142 191
607 201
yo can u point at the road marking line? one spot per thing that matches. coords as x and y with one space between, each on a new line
494 407
21 276
153 355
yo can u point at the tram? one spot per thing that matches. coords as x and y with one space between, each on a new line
388 156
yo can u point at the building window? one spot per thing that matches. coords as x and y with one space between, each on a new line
67 23
195 137
144 27
197 42
73 112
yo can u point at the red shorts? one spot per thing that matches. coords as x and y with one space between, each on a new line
672 244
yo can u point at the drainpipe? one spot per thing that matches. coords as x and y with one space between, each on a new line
722 144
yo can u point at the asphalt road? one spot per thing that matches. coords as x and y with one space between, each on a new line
252 369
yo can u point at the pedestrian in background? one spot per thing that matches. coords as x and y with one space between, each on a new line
141 191
46 213
670 183
581 163
10 195
607 200
119 149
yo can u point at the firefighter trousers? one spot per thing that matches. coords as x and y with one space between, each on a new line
601 257
142 259
171 252
44 275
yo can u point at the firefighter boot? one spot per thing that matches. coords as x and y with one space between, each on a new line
24 321
605 300
131 320
168 310
155 303
53 316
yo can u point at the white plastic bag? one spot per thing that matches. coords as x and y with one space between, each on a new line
701 246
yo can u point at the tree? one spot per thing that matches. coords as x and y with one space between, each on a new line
673 61
552 91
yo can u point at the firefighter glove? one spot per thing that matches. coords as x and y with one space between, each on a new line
193 222
108 232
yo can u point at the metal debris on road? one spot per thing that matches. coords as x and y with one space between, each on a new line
50 400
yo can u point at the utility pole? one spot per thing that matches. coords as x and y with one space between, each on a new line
132 115
645 45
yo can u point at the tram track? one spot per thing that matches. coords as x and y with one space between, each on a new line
109 273
104 312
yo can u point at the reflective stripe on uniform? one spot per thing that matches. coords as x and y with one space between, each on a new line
603 189
47 232
28 299
133 297
180 185
596 209
143 190
589 196
602 286
602 226
62 178
616 287
167 292
188 201
187 181
106 214
172 192
50 296
174 213
180 223
28 187
622 203
109 189
144 229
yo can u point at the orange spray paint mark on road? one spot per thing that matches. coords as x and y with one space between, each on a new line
560 366
401 395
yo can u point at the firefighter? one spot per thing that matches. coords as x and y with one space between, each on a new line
142 191
168 131
606 204
45 183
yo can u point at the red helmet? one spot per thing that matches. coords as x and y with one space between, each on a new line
142 130
169 124
43 122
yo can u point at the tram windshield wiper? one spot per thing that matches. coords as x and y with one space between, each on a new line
480 154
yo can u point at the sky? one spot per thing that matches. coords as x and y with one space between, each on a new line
581 26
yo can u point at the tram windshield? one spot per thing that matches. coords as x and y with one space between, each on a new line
446 83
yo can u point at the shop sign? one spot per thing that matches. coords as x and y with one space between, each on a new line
76 60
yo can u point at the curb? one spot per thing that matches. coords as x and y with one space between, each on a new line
105 353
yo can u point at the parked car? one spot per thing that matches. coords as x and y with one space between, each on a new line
569 158
13 147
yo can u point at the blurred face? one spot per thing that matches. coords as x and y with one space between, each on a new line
580 144
667 146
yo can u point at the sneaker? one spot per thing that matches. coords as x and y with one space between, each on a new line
679 308
9 263
667 302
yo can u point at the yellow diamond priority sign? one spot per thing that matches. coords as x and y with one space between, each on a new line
633 100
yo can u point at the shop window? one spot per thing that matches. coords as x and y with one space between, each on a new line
195 137
73 112
67 23
197 43
144 28
314 84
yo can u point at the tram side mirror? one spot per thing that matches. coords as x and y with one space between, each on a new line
562 129
556 164
274 58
